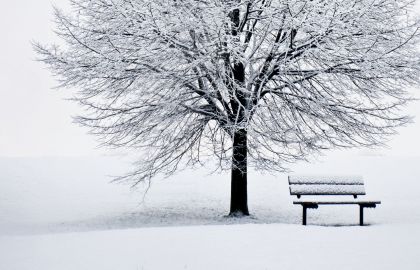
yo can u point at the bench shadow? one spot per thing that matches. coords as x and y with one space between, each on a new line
338 225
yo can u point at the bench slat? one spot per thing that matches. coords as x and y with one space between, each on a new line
327 190
325 180
337 202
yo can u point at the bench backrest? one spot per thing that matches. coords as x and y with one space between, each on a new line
326 185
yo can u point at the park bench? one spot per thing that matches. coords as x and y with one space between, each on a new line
329 185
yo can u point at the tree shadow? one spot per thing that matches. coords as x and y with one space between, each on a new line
175 217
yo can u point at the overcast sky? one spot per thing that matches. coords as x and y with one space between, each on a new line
35 120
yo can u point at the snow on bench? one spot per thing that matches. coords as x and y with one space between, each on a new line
326 185
325 180
329 185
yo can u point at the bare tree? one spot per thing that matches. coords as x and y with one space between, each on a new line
250 83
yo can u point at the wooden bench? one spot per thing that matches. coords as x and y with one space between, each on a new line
329 185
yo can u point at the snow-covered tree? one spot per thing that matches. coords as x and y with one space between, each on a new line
256 83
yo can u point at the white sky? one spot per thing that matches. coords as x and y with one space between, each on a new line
35 120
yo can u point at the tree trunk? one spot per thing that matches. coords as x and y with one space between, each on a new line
238 193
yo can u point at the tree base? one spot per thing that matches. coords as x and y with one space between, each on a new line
238 214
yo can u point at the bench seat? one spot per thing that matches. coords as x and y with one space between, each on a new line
336 202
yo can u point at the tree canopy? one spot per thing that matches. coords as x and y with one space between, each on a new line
177 79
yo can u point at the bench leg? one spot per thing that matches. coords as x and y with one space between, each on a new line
362 206
305 208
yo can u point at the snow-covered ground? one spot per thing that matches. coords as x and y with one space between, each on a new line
62 213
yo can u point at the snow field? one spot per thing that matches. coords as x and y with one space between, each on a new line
63 214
